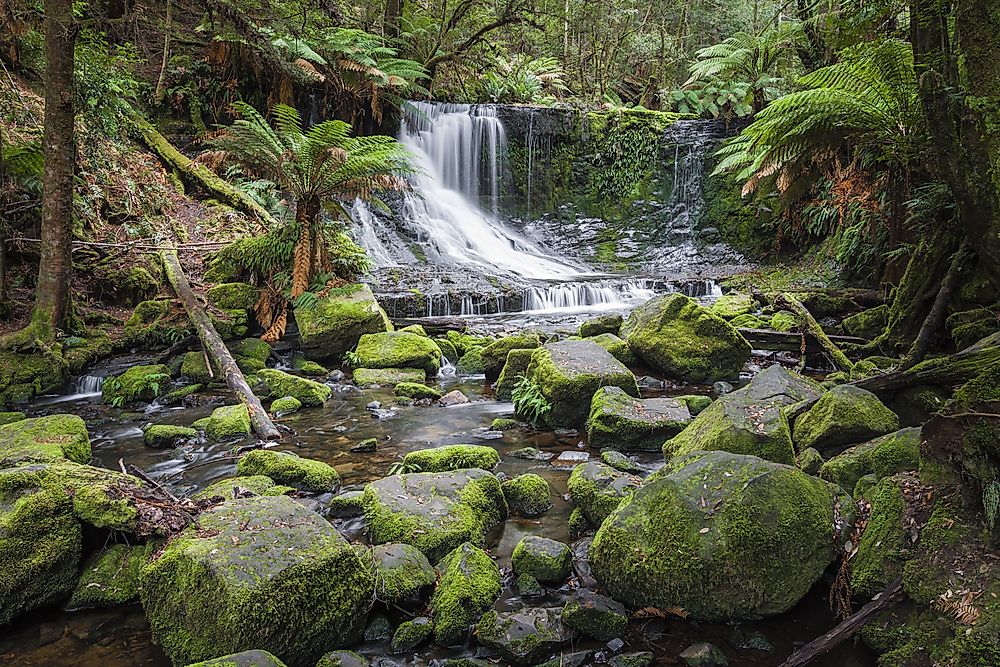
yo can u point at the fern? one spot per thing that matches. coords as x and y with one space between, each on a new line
529 402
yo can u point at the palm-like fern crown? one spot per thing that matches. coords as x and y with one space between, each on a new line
745 56
868 101
323 161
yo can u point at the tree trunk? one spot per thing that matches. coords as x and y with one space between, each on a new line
53 309
161 81
304 263
939 311
390 25
216 349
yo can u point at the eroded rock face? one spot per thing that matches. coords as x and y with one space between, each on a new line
675 335
261 572
633 424
334 324
723 536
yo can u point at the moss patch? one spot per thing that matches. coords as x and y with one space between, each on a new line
111 577
308 392
398 350
888 455
452 457
54 436
288 469
469 584
527 494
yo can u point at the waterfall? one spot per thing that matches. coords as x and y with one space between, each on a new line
370 225
607 294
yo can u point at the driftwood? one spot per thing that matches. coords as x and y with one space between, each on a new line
216 349
814 329
887 598
432 324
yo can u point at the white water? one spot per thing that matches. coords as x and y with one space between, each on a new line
82 388
602 295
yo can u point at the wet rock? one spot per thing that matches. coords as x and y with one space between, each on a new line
416 390
527 494
379 627
675 335
601 324
452 398
285 406
620 462
52 437
404 573
386 377
546 560
252 658
595 616
411 634
722 536
598 489
346 505
523 637
366 446
110 578
647 382
568 373
881 457
398 349
528 587
334 324
259 562
468 586
435 512
287 468
336 376
532 454
578 523
640 659
167 435
308 392
138 383
235 487
722 388
581 562
570 458
504 424
342 659
227 421
471 363
703 655
756 641
632 424
843 416
452 457
618 348
574 659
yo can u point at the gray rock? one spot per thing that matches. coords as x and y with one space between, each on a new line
404 573
595 615
633 424
703 655
453 398
523 637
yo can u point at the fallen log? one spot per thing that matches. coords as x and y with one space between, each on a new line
814 329
216 349
790 341
951 370
865 298
887 598
432 324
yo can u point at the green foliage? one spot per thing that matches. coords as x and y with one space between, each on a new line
403 468
106 87
718 98
524 80
529 402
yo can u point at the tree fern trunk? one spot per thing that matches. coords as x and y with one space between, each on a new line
304 268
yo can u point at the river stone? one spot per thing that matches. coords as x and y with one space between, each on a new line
722 536
435 512
469 584
514 369
334 324
845 415
411 634
287 468
618 348
383 377
343 659
703 655
546 560
55 436
453 398
676 336
598 489
167 435
404 572
569 372
620 462
399 349
494 355
253 658
227 421
602 324
750 420
263 572
637 659
524 637
881 457
308 392
138 383
260 485
633 424
527 494
452 457
595 615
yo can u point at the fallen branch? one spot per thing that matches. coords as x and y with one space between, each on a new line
814 329
216 349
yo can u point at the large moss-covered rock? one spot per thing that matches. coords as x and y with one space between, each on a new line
452 457
568 373
868 323
598 489
309 392
111 577
343 659
228 421
471 363
675 335
233 296
888 455
138 383
398 349
632 424
722 536
55 436
334 324
403 573
618 348
885 543
195 369
595 615
417 390
524 637
251 658
434 512
289 469
513 370
494 355
845 415
261 572
25 375
734 304
251 348
40 541
260 485
285 405
527 494
386 377
610 323
469 584
750 420
546 560
167 435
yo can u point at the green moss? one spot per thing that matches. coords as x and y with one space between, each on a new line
308 367
166 435
195 368
251 348
343 659
810 461
544 559
631 424
417 390
595 326
883 545
285 405
286 468
618 348
452 457
46 437
258 484
416 329
111 577
471 363
398 350
334 324
11 417
578 522
598 489
233 296
178 395
403 573
447 348
493 357
504 424
522 637
734 304
528 494
843 416
513 370
227 421
784 320
885 456
747 321
251 658
152 323
464 342
595 616
308 392
381 377
695 402
411 634
469 584
138 383
868 323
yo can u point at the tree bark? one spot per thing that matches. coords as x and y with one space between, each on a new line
390 25
216 349
939 311
813 327
161 81
304 262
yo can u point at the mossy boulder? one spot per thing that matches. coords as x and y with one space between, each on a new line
233 296
386 377
868 323
810 461
178 395
823 304
447 348
289 469
524 637
504 424
260 485
25 375
464 342
343 659
153 324
885 544
610 323
452 457
567 374
595 615
110 578
398 349
417 390
252 658
723 536
228 421
513 370
262 572
882 457
404 573
309 392
52 437
845 415
747 321
734 304
598 489
632 424
411 634
620 461
750 420
695 403
138 383
527 494
618 348
546 560
195 369
285 405
676 336
469 584
331 326
11 417
471 363
784 320
434 512
251 348
494 356
167 435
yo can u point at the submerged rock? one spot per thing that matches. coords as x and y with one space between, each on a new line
722 536
882 457
263 572
308 392
598 489
845 415
546 560
468 586
633 424
385 377
451 457
524 637
331 326
675 335
435 512
289 469
398 349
